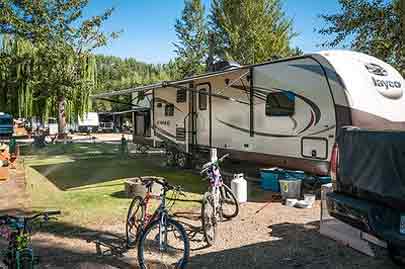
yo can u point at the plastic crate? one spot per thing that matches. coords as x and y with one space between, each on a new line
270 179
325 179
294 174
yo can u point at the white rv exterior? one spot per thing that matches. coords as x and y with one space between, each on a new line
284 113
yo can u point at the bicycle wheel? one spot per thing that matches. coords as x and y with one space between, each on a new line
134 221
26 260
209 218
229 204
173 252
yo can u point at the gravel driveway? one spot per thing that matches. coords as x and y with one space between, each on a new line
275 237
261 236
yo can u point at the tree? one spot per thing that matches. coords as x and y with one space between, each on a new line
249 31
114 73
62 70
191 32
370 26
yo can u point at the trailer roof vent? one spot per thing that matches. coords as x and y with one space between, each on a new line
223 65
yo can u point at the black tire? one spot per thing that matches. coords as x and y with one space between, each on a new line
183 249
209 221
143 149
182 160
397 256
229 204
134 221
170 158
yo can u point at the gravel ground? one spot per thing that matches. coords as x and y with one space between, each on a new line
276 237
261 236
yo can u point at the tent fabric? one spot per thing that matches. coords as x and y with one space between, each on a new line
372 165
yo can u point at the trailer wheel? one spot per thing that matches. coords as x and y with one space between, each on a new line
182 160
170 158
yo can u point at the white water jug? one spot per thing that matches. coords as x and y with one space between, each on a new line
239 188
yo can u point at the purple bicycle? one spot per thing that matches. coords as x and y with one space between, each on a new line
218 202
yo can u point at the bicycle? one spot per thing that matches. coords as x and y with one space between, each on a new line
17 231
156 233
218 202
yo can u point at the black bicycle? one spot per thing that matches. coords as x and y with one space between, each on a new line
17 231
162 241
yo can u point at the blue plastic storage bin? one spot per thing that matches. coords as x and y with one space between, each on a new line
325 179
270 178
295 174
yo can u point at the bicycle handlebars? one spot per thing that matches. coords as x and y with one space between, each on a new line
46 215
163 183
209 164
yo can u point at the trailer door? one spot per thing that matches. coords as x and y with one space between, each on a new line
203 122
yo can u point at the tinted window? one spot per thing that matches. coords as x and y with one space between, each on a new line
280 104
169 110
181 96
202 99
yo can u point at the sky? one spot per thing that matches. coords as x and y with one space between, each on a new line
148 25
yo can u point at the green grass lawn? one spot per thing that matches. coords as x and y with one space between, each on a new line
90 190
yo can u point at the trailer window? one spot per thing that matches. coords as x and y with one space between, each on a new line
280 104
202 99
159 105
181 96
169 110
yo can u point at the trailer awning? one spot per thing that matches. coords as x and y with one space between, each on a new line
165 84
138 109
173 83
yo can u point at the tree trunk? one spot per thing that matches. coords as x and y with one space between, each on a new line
61 117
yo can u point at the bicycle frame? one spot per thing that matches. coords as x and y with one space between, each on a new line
19 243
160 213
18 235
215 178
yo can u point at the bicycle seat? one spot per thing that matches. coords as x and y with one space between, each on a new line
148 181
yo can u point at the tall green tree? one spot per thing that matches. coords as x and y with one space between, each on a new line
62 68
370 26
114 73
191 48
249 31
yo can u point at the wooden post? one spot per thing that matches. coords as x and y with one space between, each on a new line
214 156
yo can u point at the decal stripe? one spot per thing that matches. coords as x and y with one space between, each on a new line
309 124
313 106
166 133
324 130
261 94
256 133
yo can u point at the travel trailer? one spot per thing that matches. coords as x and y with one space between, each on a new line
284 113
90 122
